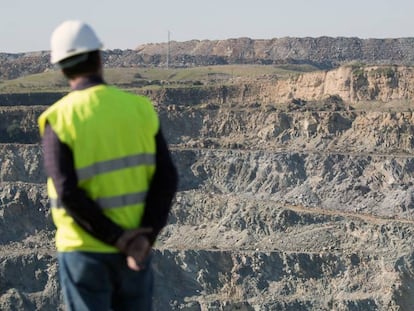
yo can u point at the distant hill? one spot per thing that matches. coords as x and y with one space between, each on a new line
322 52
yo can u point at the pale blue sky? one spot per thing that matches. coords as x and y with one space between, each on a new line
26 25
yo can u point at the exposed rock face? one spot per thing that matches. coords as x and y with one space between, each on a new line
344 85
294 195
323 52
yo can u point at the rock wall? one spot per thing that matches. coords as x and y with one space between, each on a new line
351 84
301 202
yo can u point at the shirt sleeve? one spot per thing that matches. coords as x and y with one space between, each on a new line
58 162
162 190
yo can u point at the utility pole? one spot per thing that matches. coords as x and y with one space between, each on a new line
168 50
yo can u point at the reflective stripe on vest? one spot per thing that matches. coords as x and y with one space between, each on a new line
115 164
111 202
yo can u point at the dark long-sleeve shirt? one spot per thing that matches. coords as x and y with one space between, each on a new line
59 165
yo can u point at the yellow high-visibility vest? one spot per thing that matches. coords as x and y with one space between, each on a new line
112 137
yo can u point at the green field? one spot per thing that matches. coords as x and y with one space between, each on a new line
155 77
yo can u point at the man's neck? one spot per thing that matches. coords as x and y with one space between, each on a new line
84 82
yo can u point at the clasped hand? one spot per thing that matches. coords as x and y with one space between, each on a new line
135 245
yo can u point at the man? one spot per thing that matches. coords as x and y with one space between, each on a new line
111 180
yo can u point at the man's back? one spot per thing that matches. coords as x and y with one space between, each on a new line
111 180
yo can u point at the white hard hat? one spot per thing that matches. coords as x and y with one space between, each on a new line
72 38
